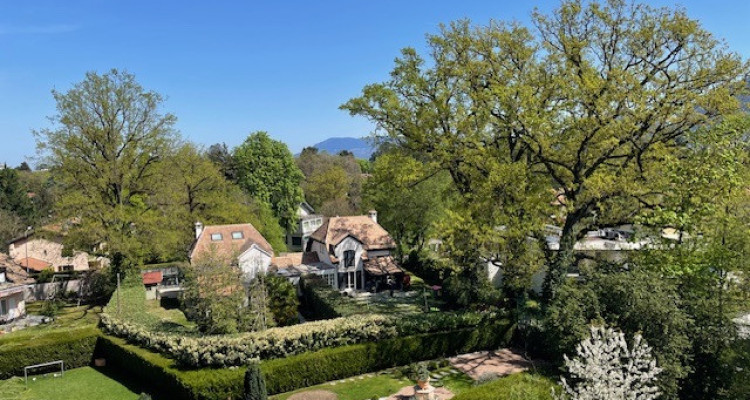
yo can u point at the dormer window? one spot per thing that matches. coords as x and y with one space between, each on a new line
216 237
237 235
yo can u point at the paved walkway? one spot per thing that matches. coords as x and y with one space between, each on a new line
500 362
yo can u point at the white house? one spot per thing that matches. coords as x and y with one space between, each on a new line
359 248
240 244
13 281
309 222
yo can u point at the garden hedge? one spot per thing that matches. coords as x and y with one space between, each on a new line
75 347
299 371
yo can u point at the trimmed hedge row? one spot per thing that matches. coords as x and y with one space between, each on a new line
309 369
237 350
296 372
74 347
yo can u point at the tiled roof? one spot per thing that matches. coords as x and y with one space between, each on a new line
382 266
361 227
14 272
152 278
34 264
294 259
228 246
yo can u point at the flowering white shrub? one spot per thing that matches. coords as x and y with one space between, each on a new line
606 368
231 350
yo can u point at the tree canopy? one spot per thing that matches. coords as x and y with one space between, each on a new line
587 101
266 170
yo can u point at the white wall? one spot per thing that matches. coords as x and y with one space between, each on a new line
322 252
16 306
252 261
495 275
350 243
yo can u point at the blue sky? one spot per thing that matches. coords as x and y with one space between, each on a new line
230 68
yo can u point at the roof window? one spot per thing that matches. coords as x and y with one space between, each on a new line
237 235
216 236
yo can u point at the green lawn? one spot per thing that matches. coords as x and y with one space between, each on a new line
77 384
68 319
382 385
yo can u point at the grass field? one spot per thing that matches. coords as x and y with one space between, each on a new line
381 385
68 319
77 384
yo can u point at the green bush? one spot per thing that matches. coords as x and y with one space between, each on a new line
521 386
295 372
255 385
74 347
283 375
236 350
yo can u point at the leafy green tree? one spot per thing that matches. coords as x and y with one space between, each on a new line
108 139
282 300
588 101
13 195
409 197
260 304
266 170
214 295
220 155
333 183
255 384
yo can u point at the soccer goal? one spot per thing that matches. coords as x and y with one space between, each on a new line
45 368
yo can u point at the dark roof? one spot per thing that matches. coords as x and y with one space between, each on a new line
228 245
382 266
361 227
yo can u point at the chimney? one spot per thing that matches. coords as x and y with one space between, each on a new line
373 215
198 229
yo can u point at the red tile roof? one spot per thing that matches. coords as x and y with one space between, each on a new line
228 246
34 264
152 278
14 271
294 259
361 227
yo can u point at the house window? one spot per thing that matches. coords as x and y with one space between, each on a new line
349 258
306 225
67 268
237 235
296 241
216 236
4 307
331 279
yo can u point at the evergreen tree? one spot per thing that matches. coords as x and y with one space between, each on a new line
255 384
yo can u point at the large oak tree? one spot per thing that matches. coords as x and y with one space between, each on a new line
587 101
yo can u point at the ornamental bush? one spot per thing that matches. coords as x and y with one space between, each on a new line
74 347
237 350
255 385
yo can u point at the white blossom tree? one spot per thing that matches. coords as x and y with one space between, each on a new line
607 368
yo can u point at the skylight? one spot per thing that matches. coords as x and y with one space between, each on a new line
216 236
237 235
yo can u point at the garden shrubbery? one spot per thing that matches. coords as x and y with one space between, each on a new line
236 350
298 371
75 347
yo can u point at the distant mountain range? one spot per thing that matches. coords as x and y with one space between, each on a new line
360 147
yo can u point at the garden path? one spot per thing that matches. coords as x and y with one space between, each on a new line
500 362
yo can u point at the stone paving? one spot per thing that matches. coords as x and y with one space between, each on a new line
500 362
